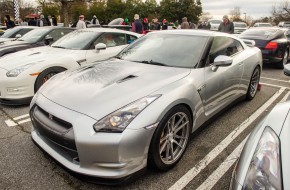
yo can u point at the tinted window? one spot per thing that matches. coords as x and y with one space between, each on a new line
215 21
224 46
23 31
58 33
78 39
265 25
34 35
260 32
166 49
240 25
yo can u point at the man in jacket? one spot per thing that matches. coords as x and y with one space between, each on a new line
9 23
137 25
184 24
226 26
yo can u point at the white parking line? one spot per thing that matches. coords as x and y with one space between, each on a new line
13 122
273 85
193 172
275 79
223 168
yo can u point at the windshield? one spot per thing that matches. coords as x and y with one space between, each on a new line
262 33
78 39
174 50
240 25
34 35
9 33
265 25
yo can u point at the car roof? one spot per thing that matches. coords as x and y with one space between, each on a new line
111 30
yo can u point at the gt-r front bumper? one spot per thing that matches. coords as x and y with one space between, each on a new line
69 137
16 90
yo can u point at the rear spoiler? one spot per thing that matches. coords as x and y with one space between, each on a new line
250 43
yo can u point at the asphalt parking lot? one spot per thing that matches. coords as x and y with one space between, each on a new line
207 163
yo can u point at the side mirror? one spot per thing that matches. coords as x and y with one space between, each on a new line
287 70
48 39
222 61
100 46
18 36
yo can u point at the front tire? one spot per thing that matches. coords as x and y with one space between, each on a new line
170 139
46 75
253 85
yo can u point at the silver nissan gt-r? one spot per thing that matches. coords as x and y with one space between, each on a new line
109 119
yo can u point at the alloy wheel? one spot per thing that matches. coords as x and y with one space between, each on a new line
285 59
174 138
254 82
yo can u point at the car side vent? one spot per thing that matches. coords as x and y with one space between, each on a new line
35 53
126 78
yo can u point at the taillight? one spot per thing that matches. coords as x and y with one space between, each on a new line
272 45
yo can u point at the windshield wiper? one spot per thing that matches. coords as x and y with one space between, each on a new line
151 62
58 47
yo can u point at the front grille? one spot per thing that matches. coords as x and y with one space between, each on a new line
56 130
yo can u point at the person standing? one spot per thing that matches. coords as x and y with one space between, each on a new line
137 25
145 24
81 23
95 20
155 25
226 26
54 21
184 24
8 22
164 24
206 26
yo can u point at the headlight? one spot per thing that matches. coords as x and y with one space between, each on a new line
120 119
15 72
265 168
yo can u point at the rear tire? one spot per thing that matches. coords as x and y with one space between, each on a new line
170 139
46 75
285 59
253 85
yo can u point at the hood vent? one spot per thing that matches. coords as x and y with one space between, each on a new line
126 78
34 53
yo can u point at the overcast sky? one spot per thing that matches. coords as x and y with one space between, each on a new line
218 8
254 8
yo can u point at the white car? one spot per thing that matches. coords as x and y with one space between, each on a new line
240 27
22 73
214 24
262 24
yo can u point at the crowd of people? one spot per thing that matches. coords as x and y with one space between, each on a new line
138 25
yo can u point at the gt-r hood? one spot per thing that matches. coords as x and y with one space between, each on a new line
103 88
34 55
6 44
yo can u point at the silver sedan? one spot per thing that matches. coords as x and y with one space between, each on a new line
109 120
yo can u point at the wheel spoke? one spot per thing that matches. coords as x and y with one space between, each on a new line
178 123
179 137
174 141
180 127
171 151
163 147
167 151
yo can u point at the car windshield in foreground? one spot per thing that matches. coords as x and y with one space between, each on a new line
261 33
78 40
34 35
10 32
173 50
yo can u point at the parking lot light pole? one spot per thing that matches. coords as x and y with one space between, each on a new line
245 17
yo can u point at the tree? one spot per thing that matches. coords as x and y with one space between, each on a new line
205 16
281 11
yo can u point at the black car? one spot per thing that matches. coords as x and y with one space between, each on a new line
16 32
38 37
273 43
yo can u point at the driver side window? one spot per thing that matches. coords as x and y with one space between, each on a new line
111 39
224 46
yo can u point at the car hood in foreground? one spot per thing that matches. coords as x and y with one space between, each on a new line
34 55
100 89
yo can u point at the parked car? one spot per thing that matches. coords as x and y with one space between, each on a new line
240 27
264 161
38 37
214 24
262 24
284 24
21 79
110 119
15 33
273 43
118 24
